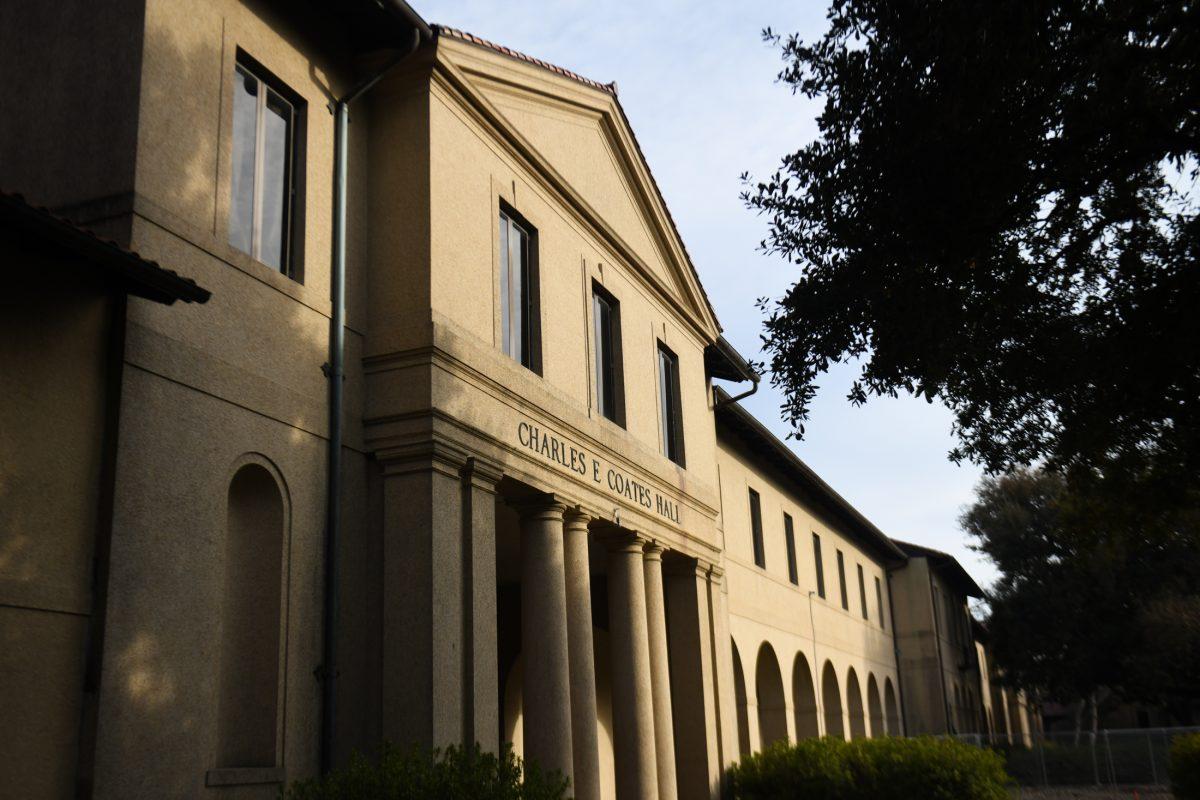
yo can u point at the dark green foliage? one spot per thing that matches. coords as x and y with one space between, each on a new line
451 774
1185 767
999 211
871 769
1120 574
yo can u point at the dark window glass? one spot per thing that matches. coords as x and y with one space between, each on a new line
841 562
519 292
879 602
261 201
862 592
790 537
672 415
756 531
820 566
610 389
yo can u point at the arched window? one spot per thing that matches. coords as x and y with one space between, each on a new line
804 697
831 699
772 709
854 706
256 528
890 708
740 699
874 707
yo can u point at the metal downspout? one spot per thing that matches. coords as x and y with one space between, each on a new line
336 372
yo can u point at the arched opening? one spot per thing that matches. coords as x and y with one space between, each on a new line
890 708
854 706
251 630
743 714
831 698
874 707
1000 714
804 699
772 708
956 716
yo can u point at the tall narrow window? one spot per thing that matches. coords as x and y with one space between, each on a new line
879 603
610 389
263 197
841 562
790 537
670 410
756 529
519 307
862 591
819 563
251 625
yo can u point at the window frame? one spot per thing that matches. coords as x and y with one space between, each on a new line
670 405
789 536
756 530
819 564
615 369
530 353
841 567
292 225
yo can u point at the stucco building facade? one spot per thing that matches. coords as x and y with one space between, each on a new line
531 516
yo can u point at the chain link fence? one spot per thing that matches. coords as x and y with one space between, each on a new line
1133 757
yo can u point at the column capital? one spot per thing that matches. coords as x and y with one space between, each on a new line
429 454
653 550
576 517
716 574
539 506
689 567
481 474
623 540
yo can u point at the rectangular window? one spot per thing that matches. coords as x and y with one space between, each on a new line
264 170
841 561
610 389
519 305
670 409
820 566
790 537
862 591
879 603
756 530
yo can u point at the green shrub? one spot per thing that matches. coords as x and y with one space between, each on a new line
451 774
1185 767
871 769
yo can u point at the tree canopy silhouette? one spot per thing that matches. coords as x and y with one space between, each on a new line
999 212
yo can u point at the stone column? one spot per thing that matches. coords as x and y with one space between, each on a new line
422 602
632 697
693 684
583 663
481 704
660 675
546 692
727 713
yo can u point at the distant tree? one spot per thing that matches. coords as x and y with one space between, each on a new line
1094 592
995 214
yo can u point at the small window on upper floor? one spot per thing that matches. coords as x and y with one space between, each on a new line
756 529
266 169
841 562
819 564
862 591
610 383
520 310
789 536
670 408
879 602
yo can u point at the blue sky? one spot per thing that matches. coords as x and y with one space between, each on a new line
698 85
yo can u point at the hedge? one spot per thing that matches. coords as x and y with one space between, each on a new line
1185 767
874 769
451 774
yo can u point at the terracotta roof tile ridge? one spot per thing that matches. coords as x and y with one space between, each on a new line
455 33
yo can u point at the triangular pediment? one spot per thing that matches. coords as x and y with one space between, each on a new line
581 134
